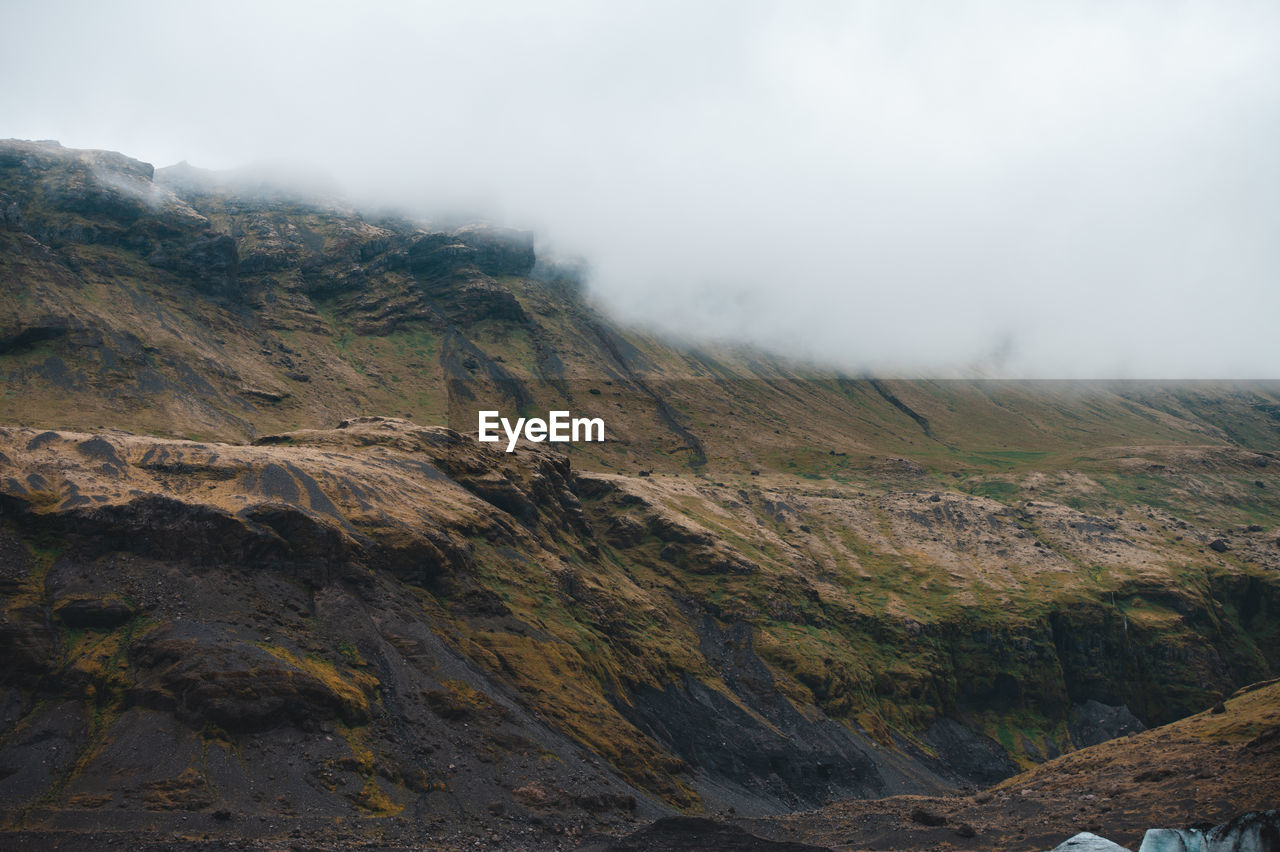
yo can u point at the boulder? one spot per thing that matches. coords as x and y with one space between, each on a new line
1088 842
1173 840
1258 831
923 816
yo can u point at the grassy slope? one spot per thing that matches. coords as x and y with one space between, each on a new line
855 607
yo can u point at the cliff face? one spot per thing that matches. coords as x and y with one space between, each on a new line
771 587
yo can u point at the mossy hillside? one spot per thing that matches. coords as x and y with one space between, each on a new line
992 551
87 663
824 425
560 684
842 654
837 651
373 797
854 616
853 620
586 644
328 316
352 687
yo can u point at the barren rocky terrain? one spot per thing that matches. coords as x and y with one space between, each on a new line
261 585
1200 771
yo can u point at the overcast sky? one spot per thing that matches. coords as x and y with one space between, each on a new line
1087 189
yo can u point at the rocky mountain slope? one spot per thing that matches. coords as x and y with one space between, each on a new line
258 579
1200 771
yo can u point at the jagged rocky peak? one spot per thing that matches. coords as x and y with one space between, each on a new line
460 269
489 250
46 153
231 232
88 182
260 207
500 251
188 180
65 197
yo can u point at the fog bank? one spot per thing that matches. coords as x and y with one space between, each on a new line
1055 189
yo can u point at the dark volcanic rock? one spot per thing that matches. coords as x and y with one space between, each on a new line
804 764
100 197
94 613
489 251
924 816
209 260
27 643
238 686
778 755
437 256
970 754
25 337
681 834
500 251
10 214
457 272
1093 722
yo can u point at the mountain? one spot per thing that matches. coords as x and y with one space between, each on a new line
259 577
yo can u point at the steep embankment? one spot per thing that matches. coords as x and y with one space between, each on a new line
771 587
1201 771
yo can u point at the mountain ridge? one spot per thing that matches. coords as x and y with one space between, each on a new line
772 586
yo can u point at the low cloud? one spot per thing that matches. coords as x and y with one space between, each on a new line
1080 189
